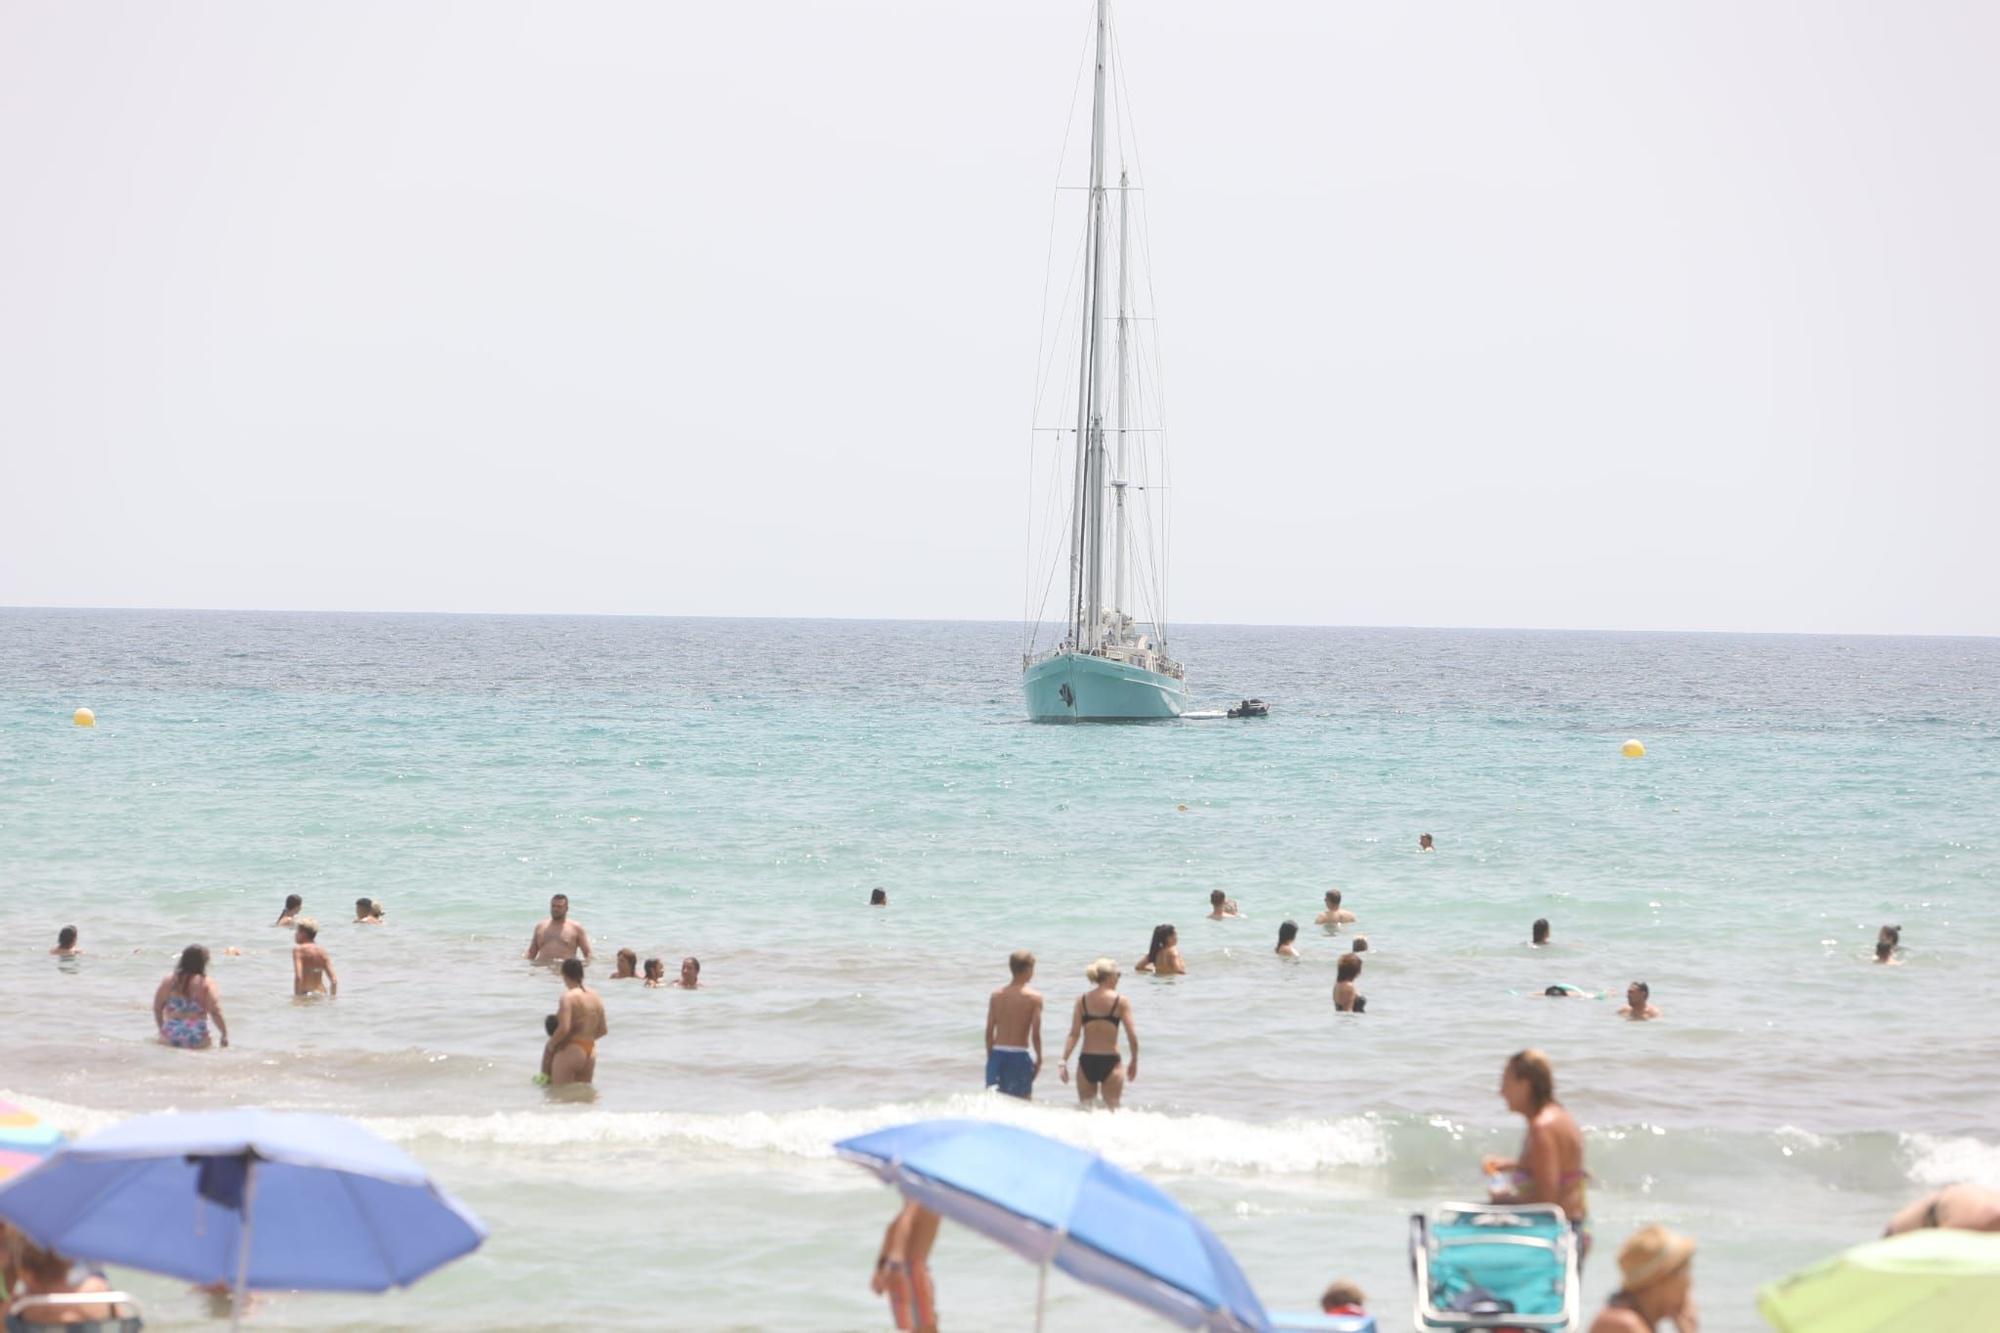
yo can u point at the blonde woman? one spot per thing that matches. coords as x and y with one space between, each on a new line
1097 1066
1550 1167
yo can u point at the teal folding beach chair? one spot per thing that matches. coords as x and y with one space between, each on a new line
1495 1267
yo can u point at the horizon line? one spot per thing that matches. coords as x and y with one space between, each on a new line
977 620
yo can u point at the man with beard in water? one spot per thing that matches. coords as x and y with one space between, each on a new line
558 939
571 1053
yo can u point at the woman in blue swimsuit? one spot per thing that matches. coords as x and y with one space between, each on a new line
186 1000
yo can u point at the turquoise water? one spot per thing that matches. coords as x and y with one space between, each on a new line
733 789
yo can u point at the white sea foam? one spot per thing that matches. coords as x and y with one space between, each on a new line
1141 1140
1941 1159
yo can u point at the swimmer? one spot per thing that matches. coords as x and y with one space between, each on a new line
1424 843
690 978
656 973
879 898
1014 1030
293 906
1287 932
1347 998
1221 907
571 1053
1360 944
627 968
558 939
1639 1003
1335 914
1561 991
1097 1065
367 912
1540 932
66 943
312 970
1885 953
1163 955
903 1268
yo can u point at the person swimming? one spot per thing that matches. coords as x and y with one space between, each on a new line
1639 1003
293 906
1424 843
1540 932
1098 1068
1347 999
1220 907
66 943
1360 944
1163 955
690 978
1287 932
627 967
1334 915
878 898
656 973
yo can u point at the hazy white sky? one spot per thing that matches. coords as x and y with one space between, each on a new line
1583 314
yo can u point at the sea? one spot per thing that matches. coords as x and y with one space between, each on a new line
734 789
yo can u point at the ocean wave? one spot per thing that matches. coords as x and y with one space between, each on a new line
1416 1153
1140 1140
1944 1159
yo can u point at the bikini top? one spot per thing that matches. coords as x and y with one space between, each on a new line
1111 1018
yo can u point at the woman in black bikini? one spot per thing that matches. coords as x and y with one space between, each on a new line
1097 1066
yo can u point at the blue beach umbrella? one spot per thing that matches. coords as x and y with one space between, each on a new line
259 1200
1051 1203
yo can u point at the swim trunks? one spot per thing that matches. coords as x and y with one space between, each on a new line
1011 1069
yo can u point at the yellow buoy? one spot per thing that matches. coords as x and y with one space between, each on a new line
1633 750
85 718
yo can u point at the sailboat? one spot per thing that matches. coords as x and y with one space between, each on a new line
1111 666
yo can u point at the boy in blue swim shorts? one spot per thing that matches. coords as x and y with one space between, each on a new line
1014 1030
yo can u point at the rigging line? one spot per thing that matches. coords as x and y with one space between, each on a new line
1048 268
1152 303
1059 343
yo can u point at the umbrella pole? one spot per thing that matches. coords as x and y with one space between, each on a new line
242 1293
1041 1294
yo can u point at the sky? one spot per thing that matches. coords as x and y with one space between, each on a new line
1590 315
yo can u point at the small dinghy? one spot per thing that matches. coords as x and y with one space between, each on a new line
1251 708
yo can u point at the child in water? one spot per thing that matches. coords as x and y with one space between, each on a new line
656 973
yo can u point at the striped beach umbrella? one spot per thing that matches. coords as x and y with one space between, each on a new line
25 1139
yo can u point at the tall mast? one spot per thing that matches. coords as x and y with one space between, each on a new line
1119 539
1092 405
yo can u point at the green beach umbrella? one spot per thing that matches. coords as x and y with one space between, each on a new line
1939 1279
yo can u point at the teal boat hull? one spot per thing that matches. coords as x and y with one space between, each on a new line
1075 687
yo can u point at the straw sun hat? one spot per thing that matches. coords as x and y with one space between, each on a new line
1651 1254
